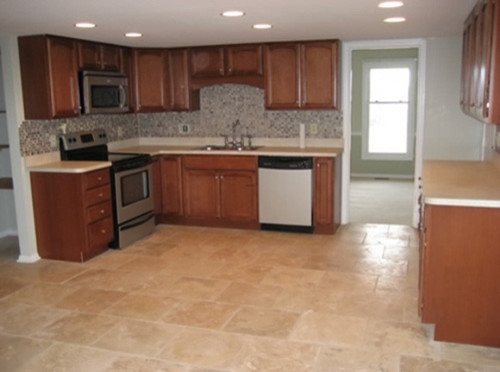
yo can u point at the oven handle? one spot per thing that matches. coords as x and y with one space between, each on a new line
126 227
123 96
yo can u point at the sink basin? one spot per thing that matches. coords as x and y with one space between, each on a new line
226 148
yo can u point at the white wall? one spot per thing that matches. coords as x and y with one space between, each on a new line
448 133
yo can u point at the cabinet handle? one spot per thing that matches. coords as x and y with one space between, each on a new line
221 70
103 231
101 211
221 177
101 195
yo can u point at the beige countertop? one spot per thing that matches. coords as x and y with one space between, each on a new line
462 183
264 150
70 166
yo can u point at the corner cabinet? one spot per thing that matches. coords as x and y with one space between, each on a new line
302 75
221 190
49 77
73 214
480 90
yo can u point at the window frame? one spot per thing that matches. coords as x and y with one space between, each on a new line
411 64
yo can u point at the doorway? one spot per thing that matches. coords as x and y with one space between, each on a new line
383 127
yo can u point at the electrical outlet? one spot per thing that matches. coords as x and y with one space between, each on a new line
313 128
120 132
53 141
184 128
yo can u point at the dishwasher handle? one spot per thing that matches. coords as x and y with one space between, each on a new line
285 162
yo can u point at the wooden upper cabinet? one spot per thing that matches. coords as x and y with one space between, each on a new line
207 62
127 69
151 80
302 75
319 74
95 56
182 97
480 90
282 79
49 77
244 60
237 64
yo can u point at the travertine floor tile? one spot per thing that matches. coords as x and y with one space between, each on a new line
41 294
250 294
77 328
16 351
90 300
137 337
211 349
197 288
330 329
265 355
282 276
489 356
342 359
110 279
251 273
203 314
370 305
10 285
135 364
304 299
416 364
146 264
262 322
141 306
346 281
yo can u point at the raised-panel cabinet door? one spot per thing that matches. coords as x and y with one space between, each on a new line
171 185
244 60
181 96
238 191
319 74
151 80
282 76
89 56
201 193
110 57
64 78
324 172
207 62
157 208
127 69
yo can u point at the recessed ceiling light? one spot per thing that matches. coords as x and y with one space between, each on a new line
262 26
233 13
133 34
85 25
390 4
394 19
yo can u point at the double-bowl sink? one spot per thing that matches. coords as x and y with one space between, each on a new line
228 148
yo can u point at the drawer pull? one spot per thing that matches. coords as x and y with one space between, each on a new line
103 231
101 195
101 211
99 179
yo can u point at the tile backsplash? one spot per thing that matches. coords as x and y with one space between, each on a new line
221 106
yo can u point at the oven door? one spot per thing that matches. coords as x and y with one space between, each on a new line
133 193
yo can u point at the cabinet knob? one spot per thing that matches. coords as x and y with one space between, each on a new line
103 231
99 179
101 195
101 211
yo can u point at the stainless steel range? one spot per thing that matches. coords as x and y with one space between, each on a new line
131 180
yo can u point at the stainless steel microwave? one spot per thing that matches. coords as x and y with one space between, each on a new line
103 92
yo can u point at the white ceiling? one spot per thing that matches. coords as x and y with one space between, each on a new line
170 23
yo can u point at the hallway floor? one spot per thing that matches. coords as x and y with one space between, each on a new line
198 299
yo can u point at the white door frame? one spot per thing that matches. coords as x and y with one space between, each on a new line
347 49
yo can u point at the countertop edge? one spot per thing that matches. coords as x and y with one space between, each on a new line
451 202
70 167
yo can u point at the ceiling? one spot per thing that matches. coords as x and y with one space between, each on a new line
171 23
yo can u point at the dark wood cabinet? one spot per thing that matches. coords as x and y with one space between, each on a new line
95 56
182 96
227 64
459 286
157 192
73 214
171 187
326 201
221 190
49 77
127 69
302 75
481 63
151 80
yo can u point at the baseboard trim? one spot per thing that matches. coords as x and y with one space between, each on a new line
390 176
6 233
28 259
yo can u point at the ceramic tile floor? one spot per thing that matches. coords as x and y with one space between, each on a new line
199 299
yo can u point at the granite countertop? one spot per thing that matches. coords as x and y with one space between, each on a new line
462 183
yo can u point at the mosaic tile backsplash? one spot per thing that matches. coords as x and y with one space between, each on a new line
221 106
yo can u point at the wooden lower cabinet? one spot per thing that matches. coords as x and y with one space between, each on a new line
171 188
221 190
326 191
157 194
73 214
459 278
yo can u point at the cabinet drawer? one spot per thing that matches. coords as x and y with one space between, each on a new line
98 195
223 162
101 232
98 178
99 211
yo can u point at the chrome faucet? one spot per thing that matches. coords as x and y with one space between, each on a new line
235 125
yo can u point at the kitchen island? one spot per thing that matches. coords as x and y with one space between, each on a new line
459 286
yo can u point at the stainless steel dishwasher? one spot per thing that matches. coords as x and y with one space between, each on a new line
285 193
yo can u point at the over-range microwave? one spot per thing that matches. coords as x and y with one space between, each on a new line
103 92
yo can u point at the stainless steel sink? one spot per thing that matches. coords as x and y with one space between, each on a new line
228 148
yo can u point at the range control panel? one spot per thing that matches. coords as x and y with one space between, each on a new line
79 140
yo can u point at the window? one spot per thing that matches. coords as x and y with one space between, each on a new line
388 110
